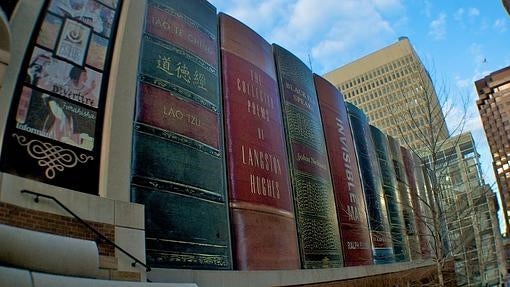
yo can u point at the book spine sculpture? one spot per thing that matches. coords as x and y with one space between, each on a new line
350 203
416 201
260 199
371 178
317 224
178 169
423 192
391 194
405 199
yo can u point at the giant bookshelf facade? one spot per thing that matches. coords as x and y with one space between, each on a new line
238 153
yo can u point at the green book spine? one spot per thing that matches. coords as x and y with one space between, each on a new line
314 202
178 168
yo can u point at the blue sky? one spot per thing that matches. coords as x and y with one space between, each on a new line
459 41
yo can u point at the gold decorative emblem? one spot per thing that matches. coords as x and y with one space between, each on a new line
52 157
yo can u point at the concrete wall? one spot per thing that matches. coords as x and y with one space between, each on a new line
113 206
24 278
285 277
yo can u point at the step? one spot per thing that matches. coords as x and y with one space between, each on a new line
108 262
125 276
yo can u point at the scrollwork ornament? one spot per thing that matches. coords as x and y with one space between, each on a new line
52 157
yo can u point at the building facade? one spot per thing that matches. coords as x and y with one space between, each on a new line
494 107
32 216
470 214
396 92
389 85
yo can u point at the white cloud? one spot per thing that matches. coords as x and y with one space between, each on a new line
462 119
500 25
473 12
470 13
459 14
462 83
332 33
437 28
329 47
250 12
427 8
388 5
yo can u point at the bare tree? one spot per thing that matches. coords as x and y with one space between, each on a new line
452 190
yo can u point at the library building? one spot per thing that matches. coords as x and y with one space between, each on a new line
165 143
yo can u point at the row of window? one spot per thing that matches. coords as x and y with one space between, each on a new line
377 72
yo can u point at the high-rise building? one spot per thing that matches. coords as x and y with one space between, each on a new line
389 85
494 107
396 92
470 214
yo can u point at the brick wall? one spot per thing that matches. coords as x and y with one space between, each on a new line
414 277
56 224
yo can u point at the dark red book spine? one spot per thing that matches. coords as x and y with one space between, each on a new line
406 201
350 204
261 214
415 200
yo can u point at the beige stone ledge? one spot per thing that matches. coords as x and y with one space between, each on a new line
133 241
277 277
87 206
24 278
15 277
48 252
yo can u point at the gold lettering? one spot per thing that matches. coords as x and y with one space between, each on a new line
164 64
193 120
264 187
252 184
199 81
183 72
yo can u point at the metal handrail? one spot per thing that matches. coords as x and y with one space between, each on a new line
83 222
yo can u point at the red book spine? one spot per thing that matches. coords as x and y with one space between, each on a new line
261 214
350 204
415 201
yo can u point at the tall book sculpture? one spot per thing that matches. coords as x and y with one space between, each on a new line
421 227
371 178
314 202
424 192
261 211
405 199
350 203
391 194
178 168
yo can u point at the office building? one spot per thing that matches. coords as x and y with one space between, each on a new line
494 107
390 85
470 213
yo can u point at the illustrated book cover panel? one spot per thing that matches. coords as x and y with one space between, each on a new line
54 128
